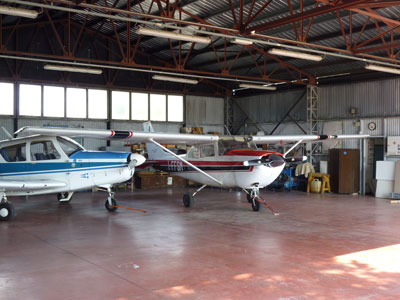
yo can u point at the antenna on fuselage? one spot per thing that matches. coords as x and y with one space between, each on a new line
7 133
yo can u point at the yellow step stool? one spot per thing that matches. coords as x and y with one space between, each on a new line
326 184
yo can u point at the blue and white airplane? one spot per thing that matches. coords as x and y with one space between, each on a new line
44 164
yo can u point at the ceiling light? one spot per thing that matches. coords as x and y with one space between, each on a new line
72 69
242 42
257 86
19 12
382 69
175 79
173 35
294 54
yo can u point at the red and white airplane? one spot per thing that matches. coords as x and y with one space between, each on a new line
228 162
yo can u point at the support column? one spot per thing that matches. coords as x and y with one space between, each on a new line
312 118
228 105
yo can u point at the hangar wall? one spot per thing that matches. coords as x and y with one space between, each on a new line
199 111
375 101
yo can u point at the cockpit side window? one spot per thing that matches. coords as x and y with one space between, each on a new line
207 151
43 150
68 147
14 153
194 152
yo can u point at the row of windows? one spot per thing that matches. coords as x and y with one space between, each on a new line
54 101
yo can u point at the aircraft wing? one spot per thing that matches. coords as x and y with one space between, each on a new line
29 185
131 136
270 139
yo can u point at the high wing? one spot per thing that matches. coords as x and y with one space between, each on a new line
269 139
134 137
180 138
29 185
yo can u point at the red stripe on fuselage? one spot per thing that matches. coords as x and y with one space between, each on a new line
249 152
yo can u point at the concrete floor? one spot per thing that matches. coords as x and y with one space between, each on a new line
319 247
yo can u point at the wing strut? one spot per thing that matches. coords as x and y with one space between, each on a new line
185 161
290 150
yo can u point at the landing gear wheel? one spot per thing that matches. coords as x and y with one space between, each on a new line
249 199
188 200
113 206
6 211
62 196
255 205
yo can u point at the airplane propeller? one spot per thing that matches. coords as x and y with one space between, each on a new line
273 160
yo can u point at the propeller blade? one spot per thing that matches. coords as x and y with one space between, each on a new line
271 160
295 158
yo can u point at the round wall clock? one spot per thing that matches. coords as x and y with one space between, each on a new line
371 126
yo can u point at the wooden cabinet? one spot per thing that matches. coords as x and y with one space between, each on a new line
150 180
344 168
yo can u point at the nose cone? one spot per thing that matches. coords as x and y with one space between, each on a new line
136 160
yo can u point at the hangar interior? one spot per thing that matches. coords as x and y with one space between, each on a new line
207 67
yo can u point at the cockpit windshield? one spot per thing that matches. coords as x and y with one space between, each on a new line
225 145
68 146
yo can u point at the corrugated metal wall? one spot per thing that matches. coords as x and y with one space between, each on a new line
271 108
371 99
206 112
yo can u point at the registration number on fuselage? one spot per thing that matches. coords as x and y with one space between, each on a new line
175 166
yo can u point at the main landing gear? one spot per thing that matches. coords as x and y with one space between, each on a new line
188 199
7 211
111 204
253 197
65 196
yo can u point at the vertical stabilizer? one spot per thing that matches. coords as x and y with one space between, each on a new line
154 152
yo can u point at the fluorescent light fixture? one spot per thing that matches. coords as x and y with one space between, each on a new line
257 86
72 69
19 12
294 54
173 35
383 69
175 79
242 42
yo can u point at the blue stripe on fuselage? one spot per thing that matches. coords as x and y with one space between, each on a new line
99 155
112 160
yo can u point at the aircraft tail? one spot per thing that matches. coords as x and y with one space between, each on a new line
153 151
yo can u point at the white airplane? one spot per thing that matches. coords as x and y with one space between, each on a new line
212 160
44 164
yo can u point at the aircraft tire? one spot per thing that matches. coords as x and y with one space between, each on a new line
255 205
188 200
249 199
113 207
63 195
6 211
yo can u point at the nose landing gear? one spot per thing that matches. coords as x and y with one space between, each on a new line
253 197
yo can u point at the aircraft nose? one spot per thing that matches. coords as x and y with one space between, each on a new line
136 159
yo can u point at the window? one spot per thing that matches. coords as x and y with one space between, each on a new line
7 98
68 146
43 150
140 106
14 153
207 151
194 152
158 107
30 100
97 104
120 105
175 108
76 103
53 101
